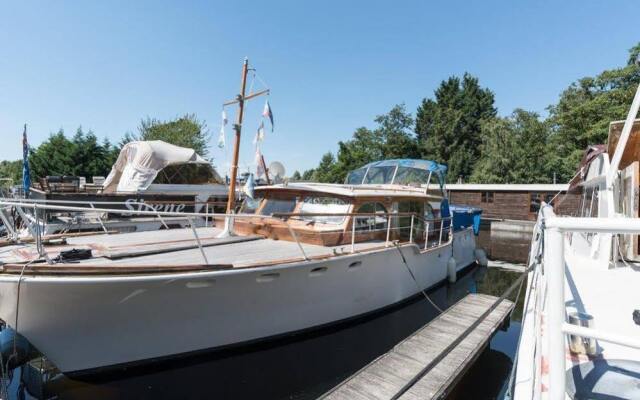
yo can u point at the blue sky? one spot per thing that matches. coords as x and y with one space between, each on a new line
332 65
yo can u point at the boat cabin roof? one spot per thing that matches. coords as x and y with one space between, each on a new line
355 191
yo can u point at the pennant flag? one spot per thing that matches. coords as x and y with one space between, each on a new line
248 186
221 139
26 173
259 165
260 133
268 113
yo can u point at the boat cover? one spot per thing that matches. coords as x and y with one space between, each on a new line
139 163
466 216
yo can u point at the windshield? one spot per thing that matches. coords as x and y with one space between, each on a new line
380 175
324 205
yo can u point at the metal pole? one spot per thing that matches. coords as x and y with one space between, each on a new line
554 260
198 241
426 235
353 234
411 231
386 243
236 144
293 234
440 239
104 228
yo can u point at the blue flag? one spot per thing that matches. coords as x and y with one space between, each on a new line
26 174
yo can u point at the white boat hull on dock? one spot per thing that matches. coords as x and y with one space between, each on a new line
89 322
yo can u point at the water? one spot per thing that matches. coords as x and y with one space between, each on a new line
300 367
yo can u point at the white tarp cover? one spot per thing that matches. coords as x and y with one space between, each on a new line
139 163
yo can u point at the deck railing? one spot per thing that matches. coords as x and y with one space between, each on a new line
419 228
554 269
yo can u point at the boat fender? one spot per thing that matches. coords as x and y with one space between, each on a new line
16 349
481 257
452 267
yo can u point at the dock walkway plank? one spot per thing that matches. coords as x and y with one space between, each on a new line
384 377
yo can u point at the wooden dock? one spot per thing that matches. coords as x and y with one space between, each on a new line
428 364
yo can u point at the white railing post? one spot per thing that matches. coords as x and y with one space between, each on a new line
411 230
353 233
426 235
295 237
441 226
554 262
104 228
386 243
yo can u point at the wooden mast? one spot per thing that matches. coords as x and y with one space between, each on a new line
236 144
240 99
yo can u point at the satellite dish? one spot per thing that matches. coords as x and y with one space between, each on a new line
276 171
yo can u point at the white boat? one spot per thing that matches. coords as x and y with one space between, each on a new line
148 175
580 333
304 256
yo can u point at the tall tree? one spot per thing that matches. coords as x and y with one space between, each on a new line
584 111
449 126
185 131
11 170
325 172
392 138
514 150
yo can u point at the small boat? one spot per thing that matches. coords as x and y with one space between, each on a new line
148 175
581 319
301 256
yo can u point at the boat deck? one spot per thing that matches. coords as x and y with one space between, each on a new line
610 296
165 250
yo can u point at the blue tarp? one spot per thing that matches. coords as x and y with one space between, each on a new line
466 216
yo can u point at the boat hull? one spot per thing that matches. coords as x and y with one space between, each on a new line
84 323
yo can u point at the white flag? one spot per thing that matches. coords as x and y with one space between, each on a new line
221 140
259 166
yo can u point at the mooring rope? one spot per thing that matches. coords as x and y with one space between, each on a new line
404 260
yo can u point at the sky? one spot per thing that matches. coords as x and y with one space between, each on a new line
332 66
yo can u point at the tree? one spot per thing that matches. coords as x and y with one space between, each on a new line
308 174
185 131
513 150
392 138
449 127
584 111
326 170
83 156
296 176
11 170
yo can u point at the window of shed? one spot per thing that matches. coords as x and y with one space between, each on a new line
487 197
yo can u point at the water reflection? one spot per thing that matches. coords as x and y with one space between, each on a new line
300 367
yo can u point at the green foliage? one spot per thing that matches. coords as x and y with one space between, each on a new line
392 138
513 150
584 111
83 155
308 174
449 126
185 131
296 176
11 170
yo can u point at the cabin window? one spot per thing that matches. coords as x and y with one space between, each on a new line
371 222
404 222
250 206
356 177
407 176
278 205
487 197
324 205
380 175
534 202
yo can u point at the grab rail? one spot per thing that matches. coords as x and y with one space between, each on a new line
554 230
